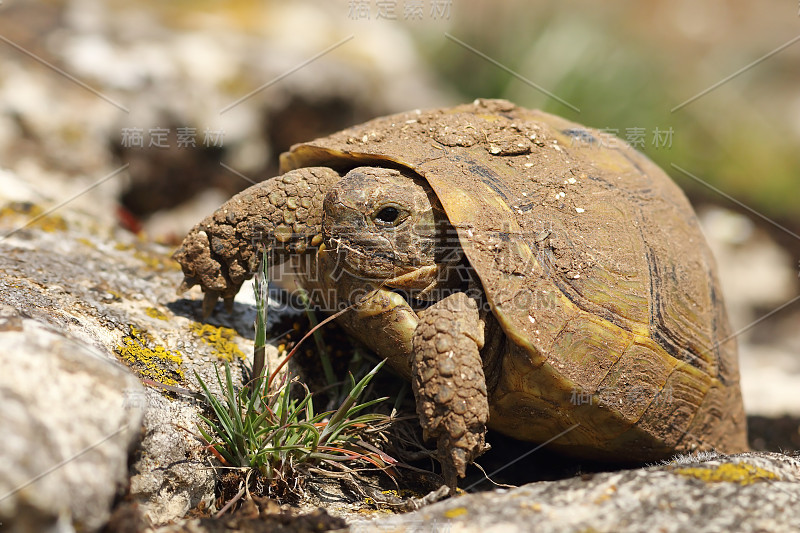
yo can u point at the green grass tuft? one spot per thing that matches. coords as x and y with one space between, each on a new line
276 433
266 427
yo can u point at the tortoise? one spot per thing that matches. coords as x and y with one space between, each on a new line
526 273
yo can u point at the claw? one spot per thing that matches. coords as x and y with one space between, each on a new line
188 283
228 301
209 301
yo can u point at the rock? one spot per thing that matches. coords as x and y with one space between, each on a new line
66 425
262 514
187 480
707 493
84 310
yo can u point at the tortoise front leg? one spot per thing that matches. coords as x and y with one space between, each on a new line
448 381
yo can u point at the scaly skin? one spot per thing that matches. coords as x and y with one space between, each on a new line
411 254
449 383
283 213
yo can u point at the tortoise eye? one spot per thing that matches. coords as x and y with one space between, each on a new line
389 216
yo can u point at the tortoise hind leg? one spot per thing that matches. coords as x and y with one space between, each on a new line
449 383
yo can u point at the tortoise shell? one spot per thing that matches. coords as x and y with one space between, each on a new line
593 263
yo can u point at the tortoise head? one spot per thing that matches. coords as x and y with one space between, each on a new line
387 228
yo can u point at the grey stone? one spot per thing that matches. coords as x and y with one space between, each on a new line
171 474
749 492
83 310
67 429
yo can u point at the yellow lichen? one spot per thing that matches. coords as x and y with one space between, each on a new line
153 260
152 312
34 216
220 339
741 473
373 512
156 262
455 512
150 360
402 493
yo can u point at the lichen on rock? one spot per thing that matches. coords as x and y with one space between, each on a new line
150 360
220 339
741 473
755 491
32 215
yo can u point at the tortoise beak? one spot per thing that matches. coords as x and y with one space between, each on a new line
420 278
